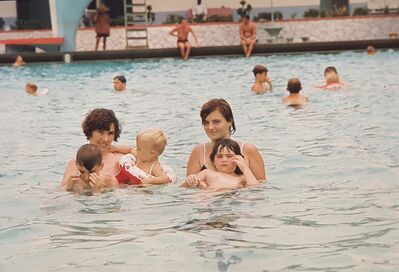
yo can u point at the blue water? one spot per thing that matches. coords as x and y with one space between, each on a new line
331 202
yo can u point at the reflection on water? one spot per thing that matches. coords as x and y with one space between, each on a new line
330 203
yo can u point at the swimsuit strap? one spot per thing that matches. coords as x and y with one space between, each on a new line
152 165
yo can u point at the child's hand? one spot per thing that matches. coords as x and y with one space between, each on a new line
239 160
193 180
97 181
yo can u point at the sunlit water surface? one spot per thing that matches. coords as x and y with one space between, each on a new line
331 202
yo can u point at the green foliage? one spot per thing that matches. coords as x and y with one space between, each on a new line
150 14
219 18
268 16
1 23
245 9
314 13
31 24
119 21
360 11
173 19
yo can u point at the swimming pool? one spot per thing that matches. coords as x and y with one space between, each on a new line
331 203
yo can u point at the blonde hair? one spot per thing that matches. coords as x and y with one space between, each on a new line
32 86
332 77
155 136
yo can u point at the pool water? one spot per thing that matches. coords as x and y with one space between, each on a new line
330 204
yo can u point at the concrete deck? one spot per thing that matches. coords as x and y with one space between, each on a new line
263 49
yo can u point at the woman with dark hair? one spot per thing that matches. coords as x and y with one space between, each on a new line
101 128
218 122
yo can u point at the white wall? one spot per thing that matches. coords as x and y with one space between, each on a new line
8 9
173 5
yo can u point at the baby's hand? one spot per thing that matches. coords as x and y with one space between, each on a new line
192 180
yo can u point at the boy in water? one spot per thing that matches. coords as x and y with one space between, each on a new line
262 82
31 89
142 166
119 83
232 172
332 78
90 177
294 98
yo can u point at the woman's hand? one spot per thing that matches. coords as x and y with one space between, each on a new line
192 180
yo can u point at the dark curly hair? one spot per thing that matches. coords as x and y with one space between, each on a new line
223 107
101 119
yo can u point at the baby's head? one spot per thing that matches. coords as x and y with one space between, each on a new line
150 144
294 85
260 72
88 160
223 153
31 88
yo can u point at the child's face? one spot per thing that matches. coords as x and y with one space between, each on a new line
85 174
224 161
29 89
262 77
145 151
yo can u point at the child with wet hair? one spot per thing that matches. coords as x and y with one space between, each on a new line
89 177
142 165
31 89
294 98
232 172
262 82
332 79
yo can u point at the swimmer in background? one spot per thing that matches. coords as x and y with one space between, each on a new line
232 172
262 82
89 177
119 83
332 79
370 50
142 165
295 98
31 89
181 31
19 61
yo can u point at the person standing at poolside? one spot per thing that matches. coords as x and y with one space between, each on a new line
262 82
181 32
247 35
101 24
200 12
218 123
101 128
119 83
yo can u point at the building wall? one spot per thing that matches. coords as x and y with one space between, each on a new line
226 34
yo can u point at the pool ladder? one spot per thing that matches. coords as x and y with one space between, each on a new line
136 22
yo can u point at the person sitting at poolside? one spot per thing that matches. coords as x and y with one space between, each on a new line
294 98
89 177
262 82
101 128
31 89
142 165
370 50
332 78
232 172
181 32
247 35
119 83
218 123
19 61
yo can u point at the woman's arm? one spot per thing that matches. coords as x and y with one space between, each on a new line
194 161
124 149
255 162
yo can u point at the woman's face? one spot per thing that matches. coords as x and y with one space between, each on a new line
216 126
224 161
103 139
